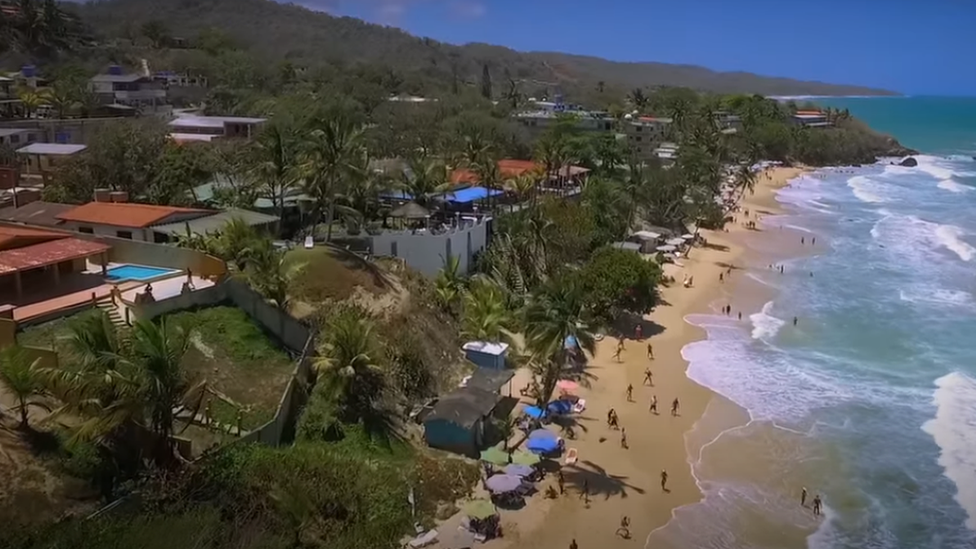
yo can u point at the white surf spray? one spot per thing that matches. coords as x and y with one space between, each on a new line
953 186
764 325
865 189
950 237
954 431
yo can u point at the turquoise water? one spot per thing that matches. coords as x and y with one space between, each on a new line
135 272
871 399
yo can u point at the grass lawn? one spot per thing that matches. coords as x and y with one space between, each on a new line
52 334
238 359
332 274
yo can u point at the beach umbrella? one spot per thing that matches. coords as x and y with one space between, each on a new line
500 484
518 470
543 434
667 248
479 509
522 457
534 412
495 456
542 445
687 236
567 385
675 242
560 407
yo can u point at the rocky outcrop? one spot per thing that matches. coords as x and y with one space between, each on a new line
909 162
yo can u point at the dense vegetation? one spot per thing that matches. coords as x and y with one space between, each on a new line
294 34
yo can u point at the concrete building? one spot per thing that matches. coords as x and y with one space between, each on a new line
39 159
427 251
539 121
18 137
811 119
207 128
122 219
133 90
645 133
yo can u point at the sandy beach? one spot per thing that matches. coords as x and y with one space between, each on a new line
627 481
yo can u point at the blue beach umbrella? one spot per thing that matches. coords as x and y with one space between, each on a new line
534 412
560 407
543 434
542 445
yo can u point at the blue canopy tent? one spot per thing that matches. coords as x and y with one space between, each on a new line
560 407
470 194
542 445
534 412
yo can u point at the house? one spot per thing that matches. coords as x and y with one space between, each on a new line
38 213
189 127
667 153
133 90
122 219
644 133
811 119
211 224
460 422
509 168
39 159
18 137
38 260
727 121
427 251
588 121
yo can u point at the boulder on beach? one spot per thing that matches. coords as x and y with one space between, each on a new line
909 162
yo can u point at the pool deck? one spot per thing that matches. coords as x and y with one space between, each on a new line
163 288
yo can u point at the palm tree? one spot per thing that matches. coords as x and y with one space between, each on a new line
272 164
271 274
638 99
31 99
163 384
523 186
63 97
484 313
489 176
553 316
22 377
424 179
333 159
449 284
350 375
237 242
552 152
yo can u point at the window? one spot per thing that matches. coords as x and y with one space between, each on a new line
86 230
639 138
640 128
14 139
124 234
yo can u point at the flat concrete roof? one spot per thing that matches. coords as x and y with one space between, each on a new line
52 149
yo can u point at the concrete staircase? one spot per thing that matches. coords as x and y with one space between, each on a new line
112 310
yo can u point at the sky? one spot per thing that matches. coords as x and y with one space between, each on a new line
909 46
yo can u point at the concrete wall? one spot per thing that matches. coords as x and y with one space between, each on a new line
109 230
428 252
160 255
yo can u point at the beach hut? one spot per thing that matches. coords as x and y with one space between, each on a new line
629 246
486 354
457 422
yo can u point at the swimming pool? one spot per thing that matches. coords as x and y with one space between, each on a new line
135 272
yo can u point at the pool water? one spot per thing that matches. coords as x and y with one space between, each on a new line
135 272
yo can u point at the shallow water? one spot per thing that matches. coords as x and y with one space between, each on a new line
871 399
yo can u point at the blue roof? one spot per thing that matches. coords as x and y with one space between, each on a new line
470 194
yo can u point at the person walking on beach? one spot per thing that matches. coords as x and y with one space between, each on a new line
623 438
802 240
585 491
562 483
817 505
740 315
653 406
813 241
619 349
664 480
648 377
721 277
650 352
612 419
630 392
572 544
639 332
674 408
624 530
803 497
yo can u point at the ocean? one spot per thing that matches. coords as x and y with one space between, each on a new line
870 400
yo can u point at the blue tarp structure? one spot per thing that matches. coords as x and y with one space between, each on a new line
560 407
465 196
570 342
534 412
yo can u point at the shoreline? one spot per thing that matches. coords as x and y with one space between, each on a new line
627 481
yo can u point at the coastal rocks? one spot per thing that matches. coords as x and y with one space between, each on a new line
909 162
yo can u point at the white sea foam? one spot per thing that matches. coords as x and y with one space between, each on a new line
950 236
764 325
953 186
954 431
867 189
935 295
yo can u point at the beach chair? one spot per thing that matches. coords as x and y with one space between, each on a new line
309 242
571 456
424 540
579 406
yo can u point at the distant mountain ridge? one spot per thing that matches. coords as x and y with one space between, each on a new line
288 31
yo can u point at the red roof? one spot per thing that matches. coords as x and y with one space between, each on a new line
507 168
18 237
48 253
809 113
124 214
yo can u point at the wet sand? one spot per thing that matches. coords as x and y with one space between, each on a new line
627 481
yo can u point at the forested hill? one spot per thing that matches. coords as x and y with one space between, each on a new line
307 37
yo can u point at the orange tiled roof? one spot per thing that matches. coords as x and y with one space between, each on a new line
62 248
18 237
809 113
507 168
124 214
